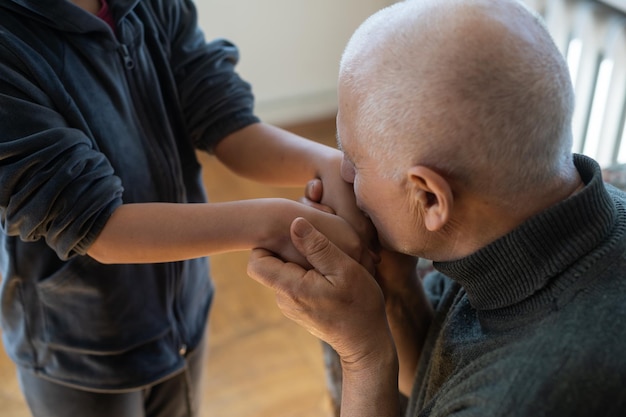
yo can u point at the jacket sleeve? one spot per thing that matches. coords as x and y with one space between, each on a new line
53 183
214 99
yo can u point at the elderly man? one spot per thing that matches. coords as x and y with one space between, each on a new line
454 118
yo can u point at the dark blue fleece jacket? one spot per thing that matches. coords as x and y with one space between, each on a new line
92 118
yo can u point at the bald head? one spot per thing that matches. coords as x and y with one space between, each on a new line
467 87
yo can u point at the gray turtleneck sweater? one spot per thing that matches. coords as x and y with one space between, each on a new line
534 324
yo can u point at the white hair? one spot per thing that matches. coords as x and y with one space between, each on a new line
435 88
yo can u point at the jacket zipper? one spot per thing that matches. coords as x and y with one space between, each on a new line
148 129
129 63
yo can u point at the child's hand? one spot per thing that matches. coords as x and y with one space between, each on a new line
331 192
338 231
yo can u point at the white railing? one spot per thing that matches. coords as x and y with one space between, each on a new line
592 37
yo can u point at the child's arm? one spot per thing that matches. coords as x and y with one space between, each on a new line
275 156
164 232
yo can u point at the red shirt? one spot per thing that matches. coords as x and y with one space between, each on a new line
105 14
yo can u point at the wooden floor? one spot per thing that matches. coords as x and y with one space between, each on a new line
259 363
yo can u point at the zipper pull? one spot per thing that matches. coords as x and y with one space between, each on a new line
128 60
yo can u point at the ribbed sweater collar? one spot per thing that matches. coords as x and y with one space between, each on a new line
525 269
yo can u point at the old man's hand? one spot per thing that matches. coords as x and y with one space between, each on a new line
338 300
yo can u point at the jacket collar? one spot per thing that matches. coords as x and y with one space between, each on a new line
65 16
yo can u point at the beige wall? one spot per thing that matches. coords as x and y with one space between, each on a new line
290 49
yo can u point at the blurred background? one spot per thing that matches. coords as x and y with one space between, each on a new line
290 49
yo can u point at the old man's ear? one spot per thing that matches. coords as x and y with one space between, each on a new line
431 195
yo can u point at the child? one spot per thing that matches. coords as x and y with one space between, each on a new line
105 224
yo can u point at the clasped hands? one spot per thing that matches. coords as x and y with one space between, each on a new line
335 294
